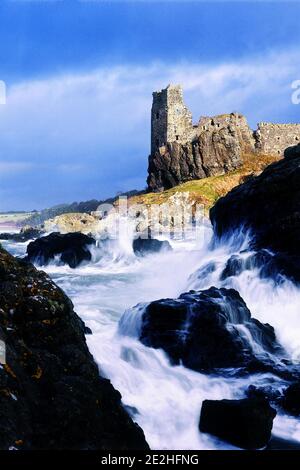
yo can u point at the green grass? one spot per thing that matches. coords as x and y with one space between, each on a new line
207 191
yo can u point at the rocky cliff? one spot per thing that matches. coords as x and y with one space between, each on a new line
214 152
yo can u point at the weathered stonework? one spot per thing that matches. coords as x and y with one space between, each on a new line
181 151
235 121
171 121
275 138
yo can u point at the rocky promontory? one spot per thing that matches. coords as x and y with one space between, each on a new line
51 393
212 153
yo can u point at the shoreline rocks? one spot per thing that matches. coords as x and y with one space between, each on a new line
51 393
209 331
245 423
276 266
290 401
144 246
72 248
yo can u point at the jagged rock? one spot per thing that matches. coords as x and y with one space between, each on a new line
51 393
272 393
268 204
71 247
213 152
144 246
245 423
205 331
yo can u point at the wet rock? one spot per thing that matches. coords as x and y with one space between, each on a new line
235 265
276 266
144 246
245 423
209 330
291 399
282 266
262 259
267 392
72 248
51 393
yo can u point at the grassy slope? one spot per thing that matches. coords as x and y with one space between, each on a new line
208 190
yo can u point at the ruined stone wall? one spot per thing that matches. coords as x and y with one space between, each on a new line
171 121
237 122
181 151
275 138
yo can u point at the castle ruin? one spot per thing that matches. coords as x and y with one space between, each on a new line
275 138
170 118
181 150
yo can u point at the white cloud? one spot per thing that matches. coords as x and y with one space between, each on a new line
118 98
97 124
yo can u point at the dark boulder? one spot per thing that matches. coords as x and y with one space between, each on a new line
205 331
268 205
235 265
291 399
144 246
51 393
245 423
73 249
246 260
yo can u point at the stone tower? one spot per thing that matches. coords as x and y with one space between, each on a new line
171 120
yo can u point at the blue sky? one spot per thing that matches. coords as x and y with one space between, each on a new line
80 74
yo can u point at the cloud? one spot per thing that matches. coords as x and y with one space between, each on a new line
89 133
11 168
